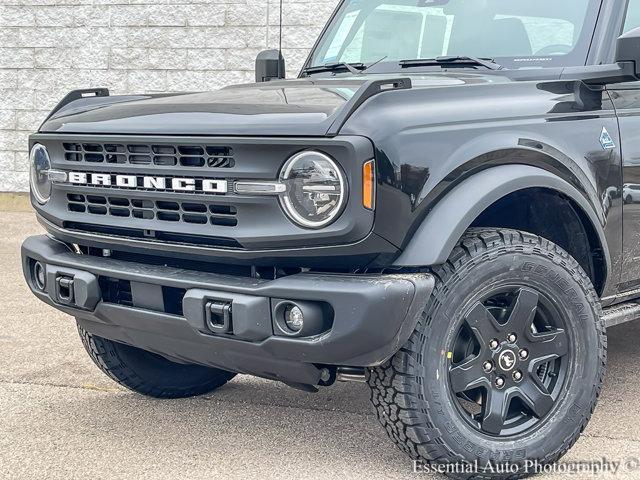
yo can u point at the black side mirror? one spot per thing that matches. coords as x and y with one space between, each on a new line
628 49
269 66
625 69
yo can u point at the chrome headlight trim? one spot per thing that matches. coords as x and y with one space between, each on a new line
39 168
260 188
285 199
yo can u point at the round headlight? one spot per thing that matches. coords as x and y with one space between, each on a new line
39 173
316 189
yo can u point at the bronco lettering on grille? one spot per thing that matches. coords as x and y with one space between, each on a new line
197 185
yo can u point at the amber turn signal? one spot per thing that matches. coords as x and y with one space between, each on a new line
368 185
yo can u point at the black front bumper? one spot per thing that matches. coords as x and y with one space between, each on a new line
368 317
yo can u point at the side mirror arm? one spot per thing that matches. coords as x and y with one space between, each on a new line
625 69
601 75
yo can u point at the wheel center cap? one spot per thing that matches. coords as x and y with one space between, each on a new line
507 360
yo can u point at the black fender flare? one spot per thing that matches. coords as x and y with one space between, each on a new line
440 231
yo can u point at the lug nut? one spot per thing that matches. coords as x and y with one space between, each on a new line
524 354
487 367
512 338
499 382
493 344
517 375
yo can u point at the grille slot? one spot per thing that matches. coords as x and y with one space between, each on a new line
168 216
191 218
116 291
187 212
96 200
119 212
77 207
192 161
94 157
196 156
139 233
118 201
97 209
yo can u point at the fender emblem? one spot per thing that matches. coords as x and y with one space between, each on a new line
606 140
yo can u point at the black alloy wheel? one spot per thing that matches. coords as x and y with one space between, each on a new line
509 361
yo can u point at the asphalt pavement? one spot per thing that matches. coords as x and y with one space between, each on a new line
60 417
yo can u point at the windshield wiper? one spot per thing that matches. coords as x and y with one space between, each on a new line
354 68
451 60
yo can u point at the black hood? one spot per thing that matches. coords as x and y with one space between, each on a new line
296 107
301 107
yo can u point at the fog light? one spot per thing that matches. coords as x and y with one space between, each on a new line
294 318
39 276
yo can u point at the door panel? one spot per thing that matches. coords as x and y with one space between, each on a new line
626 99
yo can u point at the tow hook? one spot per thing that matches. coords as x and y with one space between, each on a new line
64 289
218 316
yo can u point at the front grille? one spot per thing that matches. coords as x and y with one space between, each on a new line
167 211
179 195
210 156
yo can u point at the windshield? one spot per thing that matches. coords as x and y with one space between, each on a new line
515 33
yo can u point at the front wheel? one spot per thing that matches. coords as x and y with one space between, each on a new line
150 374
505 367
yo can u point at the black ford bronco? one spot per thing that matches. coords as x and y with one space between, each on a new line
443 204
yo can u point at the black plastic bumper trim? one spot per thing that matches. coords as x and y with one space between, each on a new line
374 315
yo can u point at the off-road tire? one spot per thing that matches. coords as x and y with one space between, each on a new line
410 392
150 374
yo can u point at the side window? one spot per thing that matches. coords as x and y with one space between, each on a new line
633 16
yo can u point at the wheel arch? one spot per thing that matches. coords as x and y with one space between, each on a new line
468 204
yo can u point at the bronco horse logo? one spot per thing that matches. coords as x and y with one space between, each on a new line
507 360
